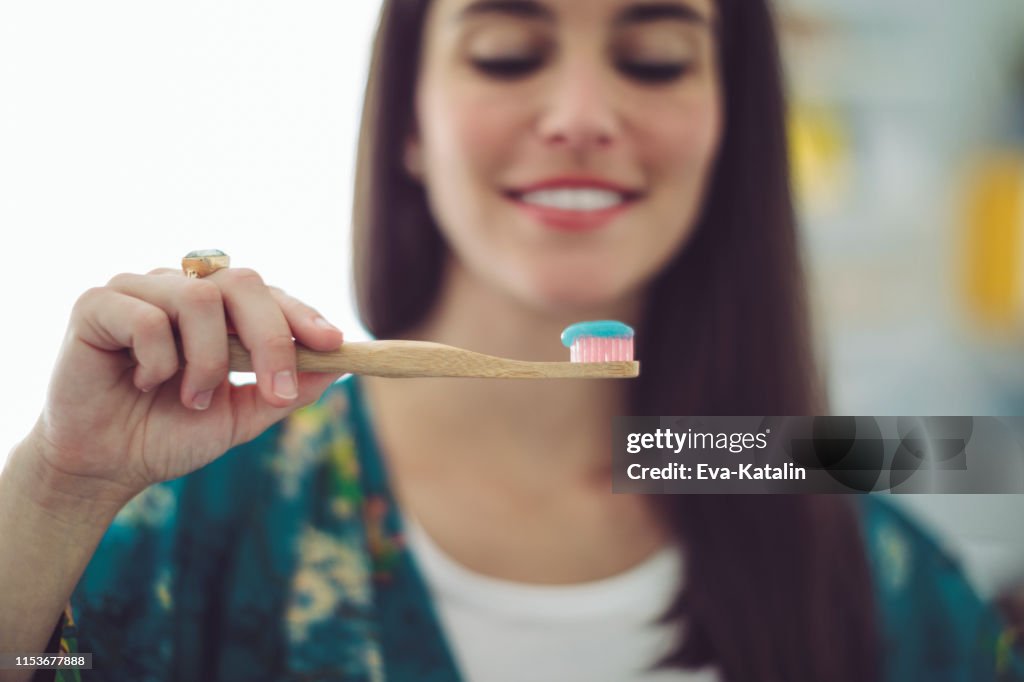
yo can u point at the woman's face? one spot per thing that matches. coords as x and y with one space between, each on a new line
565 144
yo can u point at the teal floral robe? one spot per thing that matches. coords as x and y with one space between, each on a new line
283 560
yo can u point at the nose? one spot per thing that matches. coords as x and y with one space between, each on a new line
580 113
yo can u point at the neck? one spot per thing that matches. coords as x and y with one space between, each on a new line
560 427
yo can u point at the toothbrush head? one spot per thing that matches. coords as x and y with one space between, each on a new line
599 341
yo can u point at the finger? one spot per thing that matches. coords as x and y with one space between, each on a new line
198 309
178 273
113 321
308 326
253 415
166 271
263 331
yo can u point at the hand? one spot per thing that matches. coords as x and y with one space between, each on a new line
113 422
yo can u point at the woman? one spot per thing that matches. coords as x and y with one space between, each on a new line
523 164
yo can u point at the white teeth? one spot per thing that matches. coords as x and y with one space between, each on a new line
574 199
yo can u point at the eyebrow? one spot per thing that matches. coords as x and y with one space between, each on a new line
518 8
636 14
657 11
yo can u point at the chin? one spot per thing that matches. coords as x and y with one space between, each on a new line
579 294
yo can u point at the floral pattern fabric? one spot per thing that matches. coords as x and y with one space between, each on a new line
284 560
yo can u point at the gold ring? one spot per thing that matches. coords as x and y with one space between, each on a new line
205 262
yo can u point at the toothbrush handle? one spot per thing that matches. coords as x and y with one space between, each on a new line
426 359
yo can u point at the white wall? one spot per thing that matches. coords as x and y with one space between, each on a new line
132 133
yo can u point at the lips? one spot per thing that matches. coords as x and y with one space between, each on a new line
574 204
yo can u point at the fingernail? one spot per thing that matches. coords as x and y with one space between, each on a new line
202 400
324 324
284 385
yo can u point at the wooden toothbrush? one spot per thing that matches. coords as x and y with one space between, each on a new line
601 349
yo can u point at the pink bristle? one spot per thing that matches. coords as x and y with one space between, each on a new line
599 349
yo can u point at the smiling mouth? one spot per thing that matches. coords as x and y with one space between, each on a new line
576 199
573 208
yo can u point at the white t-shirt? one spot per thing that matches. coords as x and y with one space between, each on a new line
603 630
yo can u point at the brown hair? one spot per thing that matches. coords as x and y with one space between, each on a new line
777 586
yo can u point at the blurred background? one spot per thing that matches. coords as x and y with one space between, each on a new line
131 133
907 137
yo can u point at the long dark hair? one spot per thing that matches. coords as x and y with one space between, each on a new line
777 586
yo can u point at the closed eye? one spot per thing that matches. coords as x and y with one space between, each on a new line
508 68
654 72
